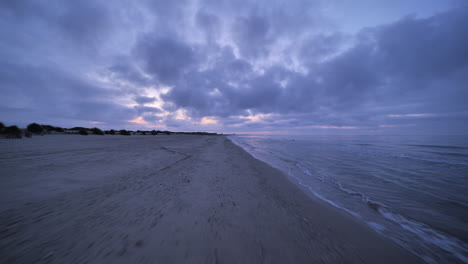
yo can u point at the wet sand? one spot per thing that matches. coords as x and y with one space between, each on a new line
166 199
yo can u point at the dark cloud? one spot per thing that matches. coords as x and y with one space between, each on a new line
147 109
151 118
80 24
124 70
262 65
396 68
144 99
210 24
252 35
51 94
319 47
164 57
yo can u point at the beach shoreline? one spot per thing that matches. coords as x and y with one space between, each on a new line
167 199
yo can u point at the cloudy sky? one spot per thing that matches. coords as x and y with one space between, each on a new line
263 66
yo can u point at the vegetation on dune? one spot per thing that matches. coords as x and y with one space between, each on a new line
109 132
97 131
13 132
52 128
35 128
125 132
83 132
77 128
38 129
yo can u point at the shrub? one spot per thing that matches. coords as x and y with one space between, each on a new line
143 133
52 128
83 132
153 132
35 128
78 128
112 132
124 132
97 131
48 127
13 132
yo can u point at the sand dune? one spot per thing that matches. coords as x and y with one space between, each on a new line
166 199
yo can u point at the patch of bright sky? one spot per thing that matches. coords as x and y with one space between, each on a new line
351 16
138 121
208 121
181 114
255 117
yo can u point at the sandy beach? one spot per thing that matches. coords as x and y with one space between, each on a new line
166 199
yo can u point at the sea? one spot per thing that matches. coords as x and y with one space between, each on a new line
411 189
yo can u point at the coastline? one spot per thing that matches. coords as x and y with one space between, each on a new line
169 199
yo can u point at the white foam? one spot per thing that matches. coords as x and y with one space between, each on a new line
430 236
300 182
429 244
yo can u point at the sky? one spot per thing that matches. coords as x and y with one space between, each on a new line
260 67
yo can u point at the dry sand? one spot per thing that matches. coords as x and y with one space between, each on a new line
166 199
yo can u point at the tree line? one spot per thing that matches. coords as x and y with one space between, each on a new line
38 129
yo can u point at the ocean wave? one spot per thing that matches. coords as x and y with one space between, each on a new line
377 227
429 236
452 203
449 162
408 156
376 206
350 192
298 161
300 182
436 146
370 203
452 154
